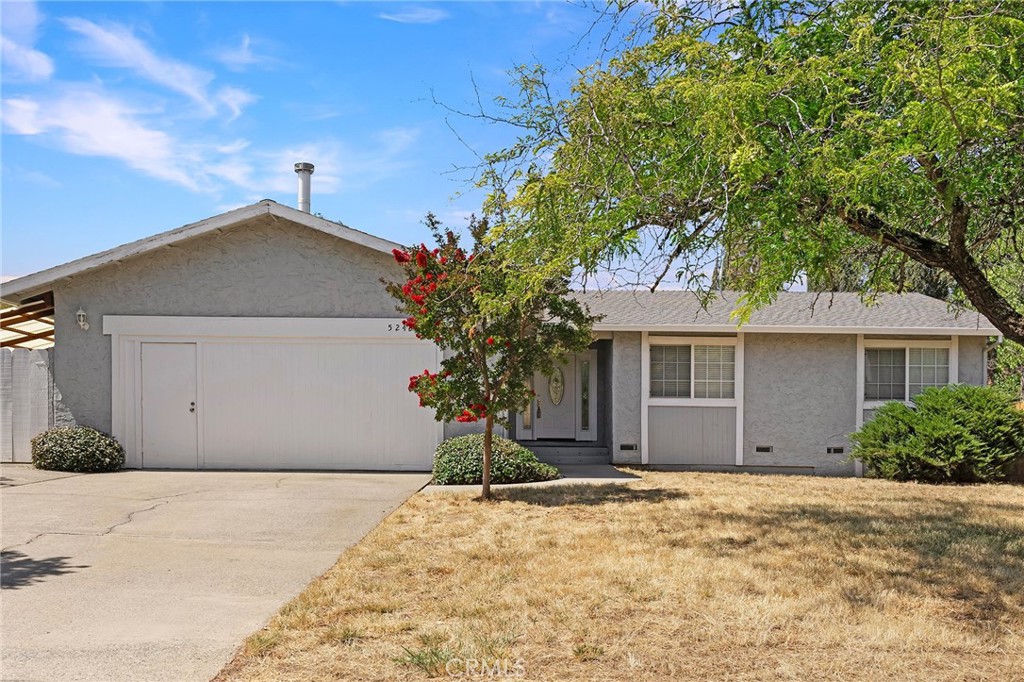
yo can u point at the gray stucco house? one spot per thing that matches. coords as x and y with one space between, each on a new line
262 338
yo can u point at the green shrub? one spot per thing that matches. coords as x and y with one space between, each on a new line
76 448
952 434
460 461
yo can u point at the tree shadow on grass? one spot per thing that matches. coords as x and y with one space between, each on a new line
20 570
938 549
587 494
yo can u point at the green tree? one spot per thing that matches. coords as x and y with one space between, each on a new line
494 339
1007 362
1007 369
796 136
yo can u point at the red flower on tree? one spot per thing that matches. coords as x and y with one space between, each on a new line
488 361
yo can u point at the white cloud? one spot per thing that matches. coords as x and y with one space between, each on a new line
241 57
116 45
21 61
235 99
416 15
88 121
235 170
232 147
339 166
456 217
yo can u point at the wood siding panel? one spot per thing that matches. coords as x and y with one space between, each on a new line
693 435
719 432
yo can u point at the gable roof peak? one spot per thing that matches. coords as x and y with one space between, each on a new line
17 289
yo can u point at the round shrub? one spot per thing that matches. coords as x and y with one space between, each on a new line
76 448
460 461
962 434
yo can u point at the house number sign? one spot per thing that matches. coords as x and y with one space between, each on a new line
556 387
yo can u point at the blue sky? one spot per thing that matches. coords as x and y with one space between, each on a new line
124 119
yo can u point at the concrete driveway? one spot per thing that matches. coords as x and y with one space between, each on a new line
146 575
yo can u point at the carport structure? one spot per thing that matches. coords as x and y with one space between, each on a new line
28 324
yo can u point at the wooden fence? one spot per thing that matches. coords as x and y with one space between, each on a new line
26 400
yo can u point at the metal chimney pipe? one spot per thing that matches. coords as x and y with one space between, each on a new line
305 171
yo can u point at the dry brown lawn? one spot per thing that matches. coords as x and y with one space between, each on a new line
674 576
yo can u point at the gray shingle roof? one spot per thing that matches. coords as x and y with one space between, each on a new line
681 311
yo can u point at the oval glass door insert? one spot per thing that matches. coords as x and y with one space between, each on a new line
556 386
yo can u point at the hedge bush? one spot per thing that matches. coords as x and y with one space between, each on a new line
460 461
76 448
960 434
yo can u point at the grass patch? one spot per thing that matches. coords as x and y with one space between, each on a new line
676 575
431 660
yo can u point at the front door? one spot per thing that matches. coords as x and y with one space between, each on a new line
555 416
169 427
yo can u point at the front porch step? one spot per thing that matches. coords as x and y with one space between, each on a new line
569 454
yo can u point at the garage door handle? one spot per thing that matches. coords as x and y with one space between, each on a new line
192 407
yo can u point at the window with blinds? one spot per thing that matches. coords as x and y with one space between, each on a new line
697 371
901 373
670 371
885 373
928 367
714 372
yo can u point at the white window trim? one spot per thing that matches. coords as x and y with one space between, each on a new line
691 341
646 401
858 465
645 395
953 346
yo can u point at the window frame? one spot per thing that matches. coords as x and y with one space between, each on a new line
693 342
906 345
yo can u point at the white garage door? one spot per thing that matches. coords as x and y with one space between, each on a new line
275 402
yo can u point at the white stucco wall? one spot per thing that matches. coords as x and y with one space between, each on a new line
266 267
800 398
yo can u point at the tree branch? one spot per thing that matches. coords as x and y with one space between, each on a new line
956 260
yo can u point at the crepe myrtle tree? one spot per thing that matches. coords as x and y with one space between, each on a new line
495 335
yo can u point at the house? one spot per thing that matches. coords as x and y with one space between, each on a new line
781 393
262 338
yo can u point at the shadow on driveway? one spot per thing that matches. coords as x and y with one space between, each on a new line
20 570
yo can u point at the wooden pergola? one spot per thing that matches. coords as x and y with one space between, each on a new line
28 325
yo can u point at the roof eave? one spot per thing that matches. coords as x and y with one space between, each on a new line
795 329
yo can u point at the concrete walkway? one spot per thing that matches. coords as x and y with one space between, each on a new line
145 575
572 474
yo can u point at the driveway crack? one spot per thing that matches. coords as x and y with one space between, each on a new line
130 518
124 522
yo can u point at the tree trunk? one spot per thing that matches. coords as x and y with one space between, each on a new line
488 439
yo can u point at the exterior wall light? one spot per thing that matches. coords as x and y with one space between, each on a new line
80 316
